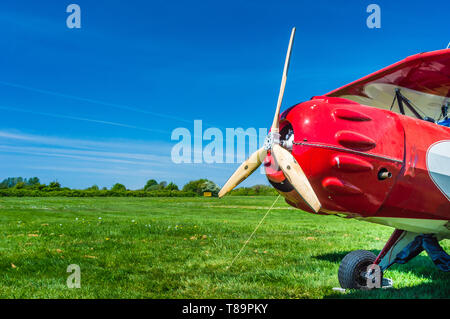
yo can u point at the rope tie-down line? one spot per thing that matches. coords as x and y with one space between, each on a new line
254 231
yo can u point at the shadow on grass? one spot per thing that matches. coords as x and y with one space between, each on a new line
421 266
336 257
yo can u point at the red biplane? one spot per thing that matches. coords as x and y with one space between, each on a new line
378 150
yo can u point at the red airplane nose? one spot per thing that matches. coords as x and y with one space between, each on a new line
360 161
342 147
279 181
273 172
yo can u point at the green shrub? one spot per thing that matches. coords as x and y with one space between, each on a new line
257 190
27 192
200 186
118 188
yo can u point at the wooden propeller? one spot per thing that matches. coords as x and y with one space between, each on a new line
244 171
276 118
285 160
295 175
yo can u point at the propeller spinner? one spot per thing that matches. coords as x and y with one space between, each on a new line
284 159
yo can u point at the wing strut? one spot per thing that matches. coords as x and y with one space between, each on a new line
402 99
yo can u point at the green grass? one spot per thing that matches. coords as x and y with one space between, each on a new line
181 248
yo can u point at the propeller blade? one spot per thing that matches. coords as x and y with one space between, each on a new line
296 176
243 171
275 124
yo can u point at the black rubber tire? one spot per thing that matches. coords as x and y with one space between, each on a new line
351 267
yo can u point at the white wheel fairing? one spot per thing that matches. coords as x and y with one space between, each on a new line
438 164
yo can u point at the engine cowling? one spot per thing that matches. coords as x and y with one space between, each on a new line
360 160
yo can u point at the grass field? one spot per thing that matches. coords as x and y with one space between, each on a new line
181 248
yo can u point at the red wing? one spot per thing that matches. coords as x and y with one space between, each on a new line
422 78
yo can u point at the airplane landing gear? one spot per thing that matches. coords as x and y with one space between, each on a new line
353 269
361 269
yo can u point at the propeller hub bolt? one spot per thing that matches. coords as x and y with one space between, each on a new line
271 138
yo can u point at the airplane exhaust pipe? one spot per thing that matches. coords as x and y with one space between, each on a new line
384 174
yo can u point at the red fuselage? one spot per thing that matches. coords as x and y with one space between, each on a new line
345 147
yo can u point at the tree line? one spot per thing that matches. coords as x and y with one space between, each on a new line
32 187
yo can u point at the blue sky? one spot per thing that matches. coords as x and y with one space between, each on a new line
98 104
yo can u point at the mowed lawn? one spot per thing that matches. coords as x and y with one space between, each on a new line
182 248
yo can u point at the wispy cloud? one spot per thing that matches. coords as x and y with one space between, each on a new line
104 157
61 116
125 152
97 102
20 137
99 171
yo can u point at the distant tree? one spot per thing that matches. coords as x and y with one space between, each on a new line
33 181
172 187
195 186
210 186
162 185
254 190
10 182
92 188
20 185
4 184
200 186
119 187
150 183
55 185
17 180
